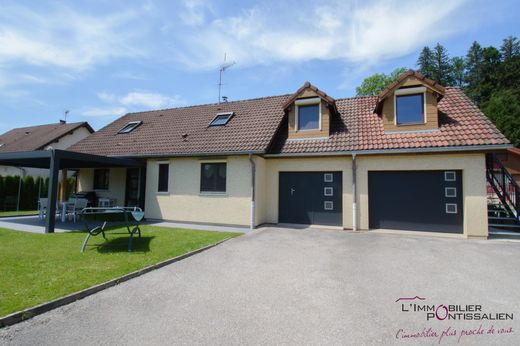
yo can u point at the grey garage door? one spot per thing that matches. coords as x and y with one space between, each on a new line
310 198
416 200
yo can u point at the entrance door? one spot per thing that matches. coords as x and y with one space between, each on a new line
310 198
132 187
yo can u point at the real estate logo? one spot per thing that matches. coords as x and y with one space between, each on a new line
456 313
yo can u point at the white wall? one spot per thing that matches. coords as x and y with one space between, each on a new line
116 184
184 201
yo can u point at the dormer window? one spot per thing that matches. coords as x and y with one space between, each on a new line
221 119
308 114
130 127
410 106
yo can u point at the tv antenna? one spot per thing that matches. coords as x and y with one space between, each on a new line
65 113
225 65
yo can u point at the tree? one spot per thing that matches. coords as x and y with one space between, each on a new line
442 66
503 109
426 62
374 84
509 75
458 70
473 72
489 70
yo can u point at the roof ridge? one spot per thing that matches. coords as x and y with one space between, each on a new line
210 104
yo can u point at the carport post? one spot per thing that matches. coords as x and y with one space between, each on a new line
53 191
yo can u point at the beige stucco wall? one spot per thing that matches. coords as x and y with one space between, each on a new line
116 184
273 166
473 175
184 201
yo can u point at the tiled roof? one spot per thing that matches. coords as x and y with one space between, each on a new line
309 86
36 137
260 125
430 82
358 128
163 131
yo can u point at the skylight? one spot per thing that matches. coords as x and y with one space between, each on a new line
221 119
130 127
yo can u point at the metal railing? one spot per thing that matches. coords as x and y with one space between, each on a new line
503 184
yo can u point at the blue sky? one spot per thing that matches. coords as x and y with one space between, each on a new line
102 59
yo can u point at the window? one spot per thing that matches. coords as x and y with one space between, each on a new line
409 109
101 179
221 119
164 169
328 191
450 192
328 177
450 176
328 205
451 208
309 117
213 177
130 127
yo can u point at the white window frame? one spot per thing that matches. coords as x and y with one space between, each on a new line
328 191
158 163
135 123
229 114
325 207
450 172
306 102
450 192
326 175
447 205
410 91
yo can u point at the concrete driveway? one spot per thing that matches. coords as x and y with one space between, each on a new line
299 287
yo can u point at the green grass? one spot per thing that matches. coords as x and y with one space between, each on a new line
15 213
36 268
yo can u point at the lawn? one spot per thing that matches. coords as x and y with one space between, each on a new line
36 268
16 213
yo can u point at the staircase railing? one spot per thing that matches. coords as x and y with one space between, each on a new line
503 184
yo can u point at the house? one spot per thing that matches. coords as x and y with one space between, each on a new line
411 158
41 137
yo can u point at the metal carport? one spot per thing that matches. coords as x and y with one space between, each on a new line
55 160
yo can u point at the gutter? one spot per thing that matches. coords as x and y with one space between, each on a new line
354 194
465 148
253 179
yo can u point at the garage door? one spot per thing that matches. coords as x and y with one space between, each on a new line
310 198
416 200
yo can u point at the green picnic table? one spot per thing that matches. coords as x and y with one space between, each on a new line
129 216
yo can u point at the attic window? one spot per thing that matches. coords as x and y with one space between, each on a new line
409 106
130 127
221 119
308 114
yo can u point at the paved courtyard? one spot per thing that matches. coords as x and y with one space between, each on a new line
300 287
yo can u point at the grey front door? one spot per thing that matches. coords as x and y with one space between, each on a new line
416 200
310 198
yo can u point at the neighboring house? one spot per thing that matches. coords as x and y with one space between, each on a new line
412 158
41 137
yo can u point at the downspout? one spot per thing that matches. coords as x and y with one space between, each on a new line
253 178
354 194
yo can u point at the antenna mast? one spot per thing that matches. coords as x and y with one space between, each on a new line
223 68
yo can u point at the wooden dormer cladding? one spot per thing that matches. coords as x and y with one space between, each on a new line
410 84
308 96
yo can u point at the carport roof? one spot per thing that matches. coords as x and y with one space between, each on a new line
67 159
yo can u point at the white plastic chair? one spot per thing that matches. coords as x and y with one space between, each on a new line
42 207
77 207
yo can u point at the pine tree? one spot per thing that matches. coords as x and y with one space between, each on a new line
510 66
473 77
425 62
458 70
442 66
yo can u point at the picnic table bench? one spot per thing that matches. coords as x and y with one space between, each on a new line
129 216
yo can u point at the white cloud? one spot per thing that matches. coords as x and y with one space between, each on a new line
132 101
357 32
63 37
150 100
104 112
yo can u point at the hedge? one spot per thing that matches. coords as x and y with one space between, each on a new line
31 190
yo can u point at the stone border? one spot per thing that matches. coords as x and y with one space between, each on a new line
26 314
